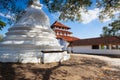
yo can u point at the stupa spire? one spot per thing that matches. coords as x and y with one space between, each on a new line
36 3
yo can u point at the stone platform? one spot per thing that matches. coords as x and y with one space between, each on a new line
33 56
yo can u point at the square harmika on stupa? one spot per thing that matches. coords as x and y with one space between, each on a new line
31 40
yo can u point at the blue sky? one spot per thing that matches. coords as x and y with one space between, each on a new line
89 28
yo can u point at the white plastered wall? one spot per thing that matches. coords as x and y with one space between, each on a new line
88 49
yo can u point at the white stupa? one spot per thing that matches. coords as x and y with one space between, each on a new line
31 40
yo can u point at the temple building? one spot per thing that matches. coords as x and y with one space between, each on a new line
63 34
109 45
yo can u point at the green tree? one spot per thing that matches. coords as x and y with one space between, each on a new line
106 31
113 29
68 9
108 8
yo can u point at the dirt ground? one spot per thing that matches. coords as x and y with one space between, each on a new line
77 68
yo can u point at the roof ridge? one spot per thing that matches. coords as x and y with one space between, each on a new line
101 37
98 40
57 22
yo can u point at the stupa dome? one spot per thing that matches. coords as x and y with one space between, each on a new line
33 16
29 38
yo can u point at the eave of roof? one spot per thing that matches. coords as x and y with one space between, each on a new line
67 38
96 41
63 31
56 23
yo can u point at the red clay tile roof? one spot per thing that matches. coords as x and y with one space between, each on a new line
97 41
58 24
68 38
56 30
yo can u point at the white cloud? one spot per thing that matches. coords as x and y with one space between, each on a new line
106 19
5 16
109 19
90 15
93 15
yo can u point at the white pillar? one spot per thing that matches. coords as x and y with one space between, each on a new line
110 46
100 46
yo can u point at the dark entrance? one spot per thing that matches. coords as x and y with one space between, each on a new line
95 46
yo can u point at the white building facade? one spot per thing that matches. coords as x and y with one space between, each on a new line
106 45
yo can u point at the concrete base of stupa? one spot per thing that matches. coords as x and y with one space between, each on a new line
33 56
55 56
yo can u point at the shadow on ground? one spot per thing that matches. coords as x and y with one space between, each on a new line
77 68
7 71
